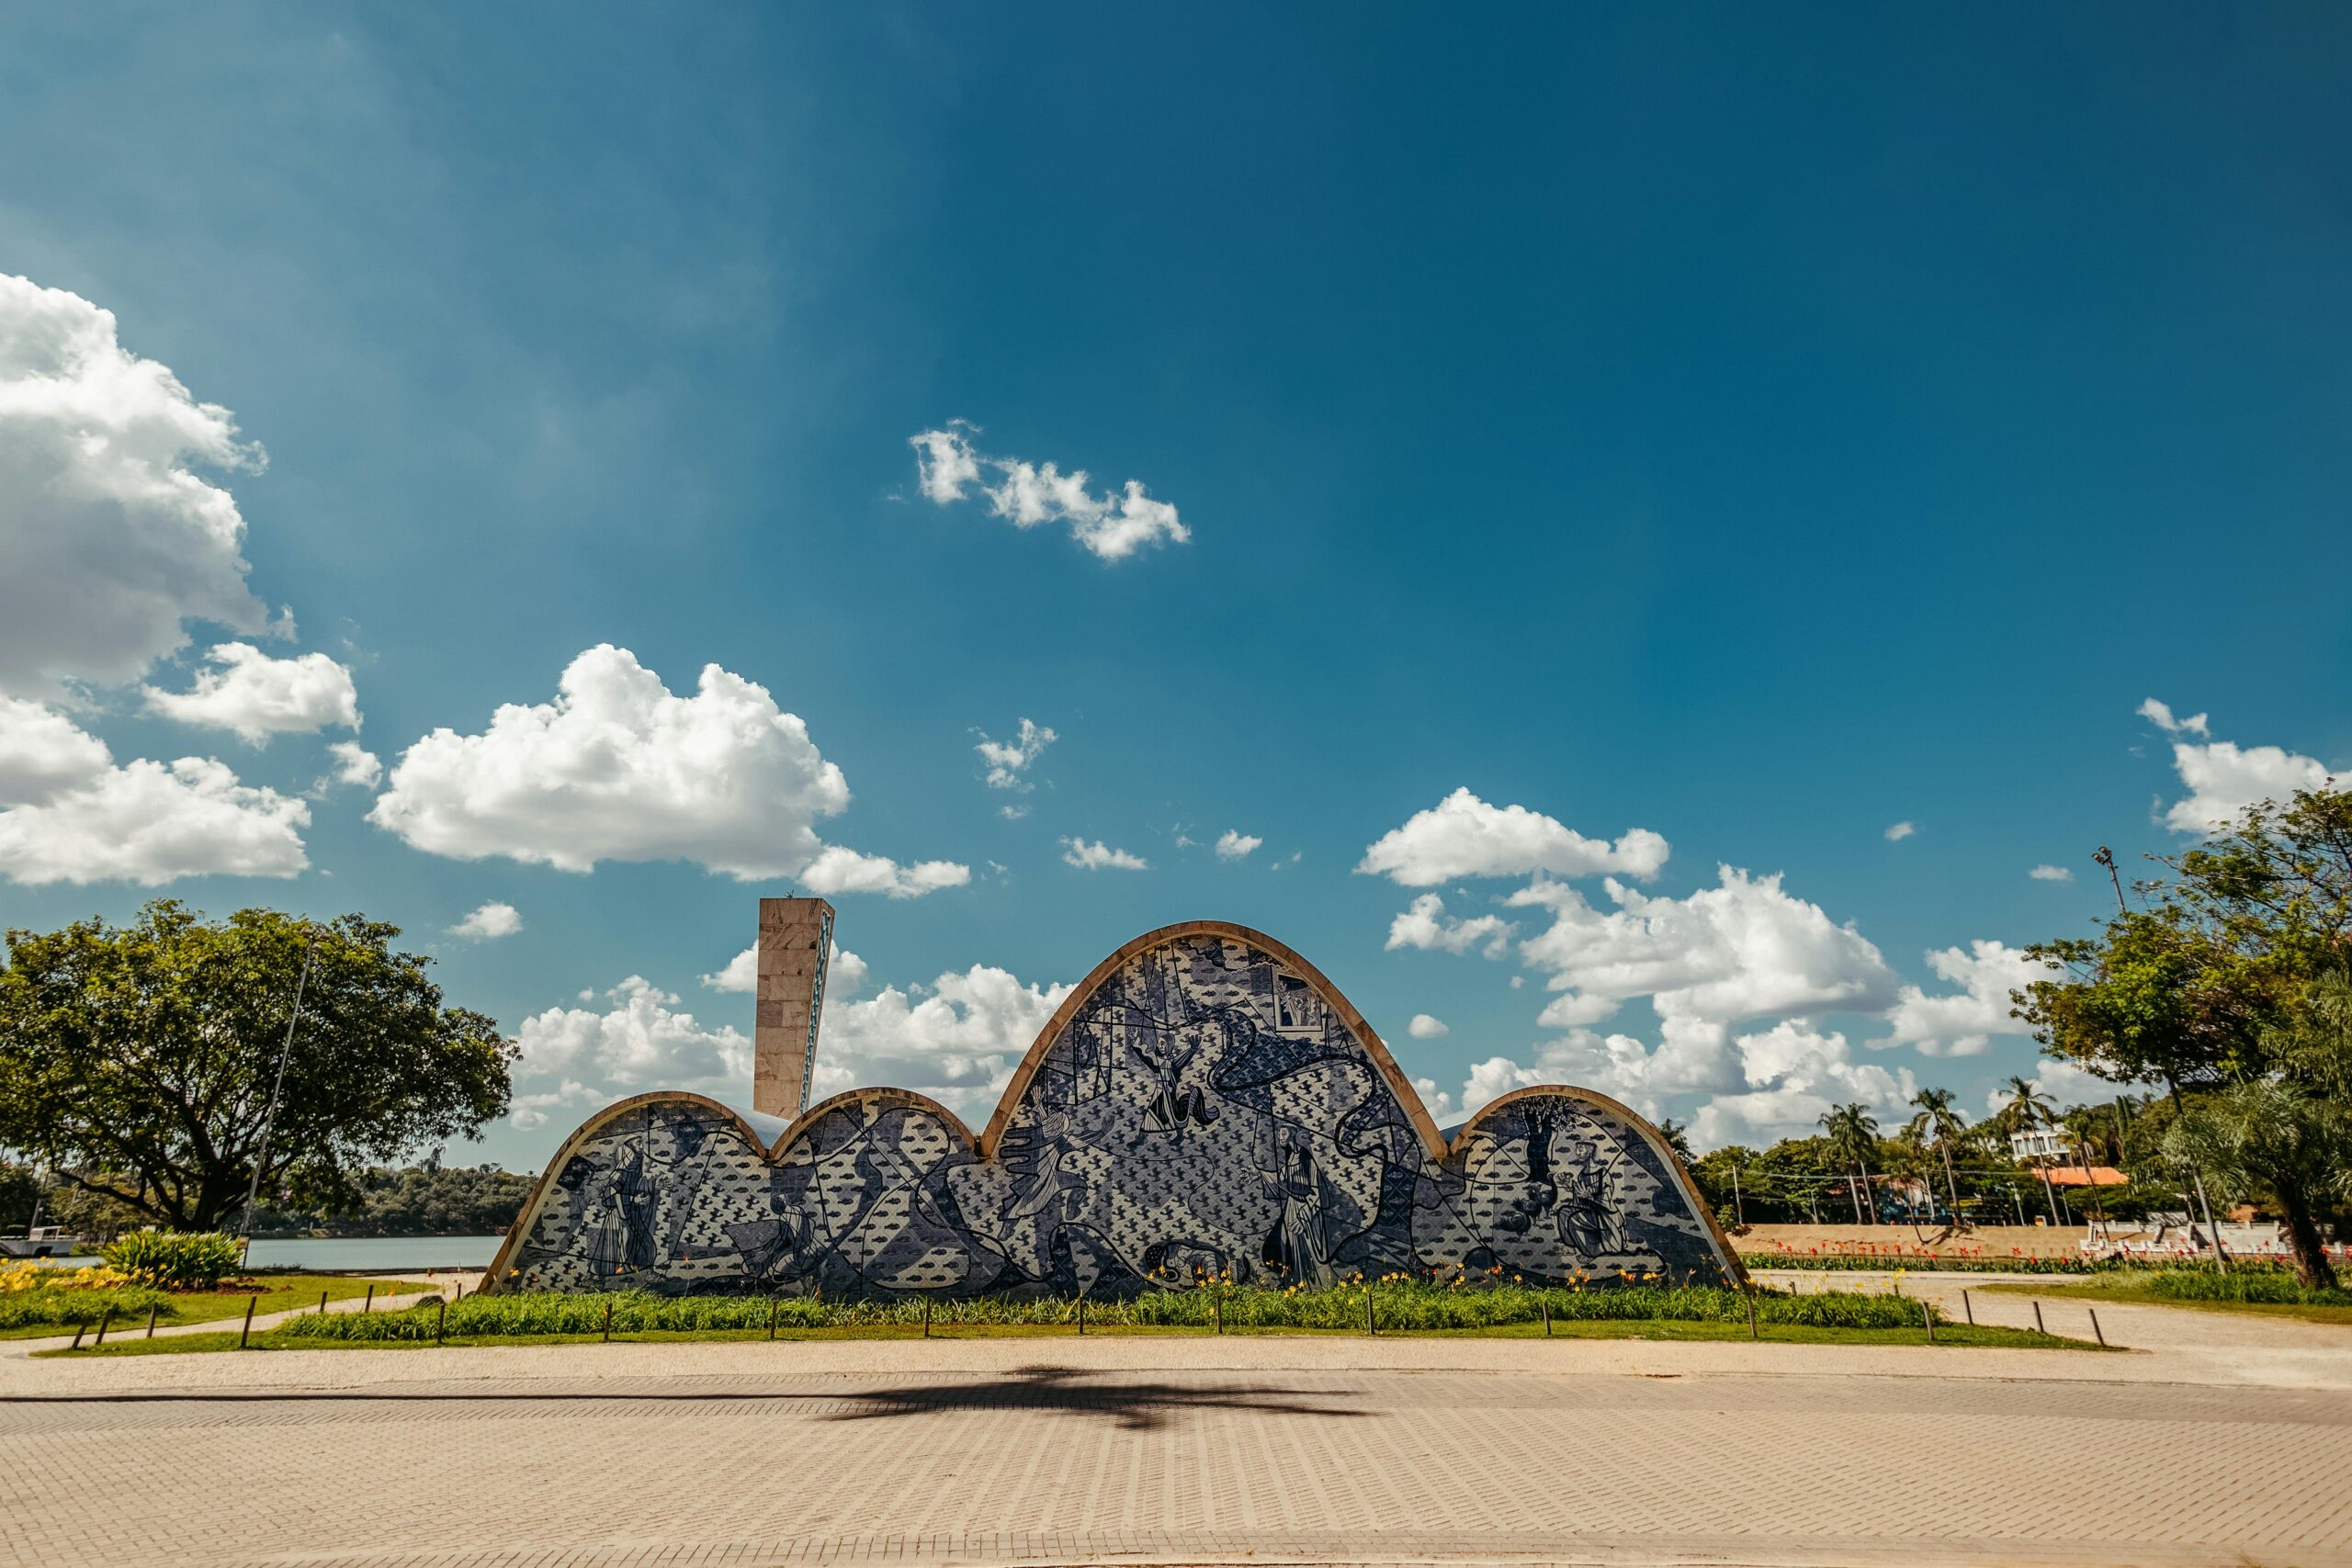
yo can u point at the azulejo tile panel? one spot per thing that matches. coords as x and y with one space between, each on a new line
1207 1104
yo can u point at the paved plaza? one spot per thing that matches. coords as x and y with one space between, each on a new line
2224 1441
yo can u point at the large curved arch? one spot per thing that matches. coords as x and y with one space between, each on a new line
1083 993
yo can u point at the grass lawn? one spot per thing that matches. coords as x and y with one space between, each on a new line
1954 1335
278 1292
2135 1292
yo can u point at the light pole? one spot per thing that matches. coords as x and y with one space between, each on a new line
278 1086
2105 857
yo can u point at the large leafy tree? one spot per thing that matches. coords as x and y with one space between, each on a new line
2216 984
139 1061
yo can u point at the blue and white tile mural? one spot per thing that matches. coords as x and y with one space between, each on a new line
1205 1103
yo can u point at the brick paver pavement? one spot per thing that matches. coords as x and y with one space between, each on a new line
1095 1462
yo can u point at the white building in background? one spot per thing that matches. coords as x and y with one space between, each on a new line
2038 1142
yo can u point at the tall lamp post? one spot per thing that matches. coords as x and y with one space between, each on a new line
276 1087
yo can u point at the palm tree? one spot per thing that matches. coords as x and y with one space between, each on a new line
1676 1135
1937 1123
1853 1135
2029 1108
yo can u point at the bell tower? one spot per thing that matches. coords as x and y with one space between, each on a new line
796 941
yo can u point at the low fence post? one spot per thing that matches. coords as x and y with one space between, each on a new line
1219 1304
1753 1332
368 1305
2038 1328
608 1323
1543 1303
926 1317
1081 1312
1928 1315
1968 1306
772 1306
323 1304
105 1317
246 1331
1369 1325
151 1320
79 1330
2095 1328
440 1323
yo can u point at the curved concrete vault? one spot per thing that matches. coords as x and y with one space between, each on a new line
1204 1100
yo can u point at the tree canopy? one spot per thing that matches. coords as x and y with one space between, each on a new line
138 1061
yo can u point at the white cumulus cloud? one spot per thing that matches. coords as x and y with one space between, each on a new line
1464 836
1901 831
1111 525
257 696
354 764
1742 949
108 541
957 1039
1100 857
1963 1022
1423 924
2224 779
637 1041
2047 873
489 923
1424 1027
1232 845
2160 715
619 768
1008 760
73 815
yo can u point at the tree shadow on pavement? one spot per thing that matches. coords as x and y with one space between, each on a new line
1138 1407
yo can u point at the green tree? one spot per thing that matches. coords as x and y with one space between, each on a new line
1853 1138
2290 1131
137 1062
2216 984
1939 1121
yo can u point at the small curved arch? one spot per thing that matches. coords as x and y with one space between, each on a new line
885 1099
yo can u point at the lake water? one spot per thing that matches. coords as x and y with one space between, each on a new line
372 1255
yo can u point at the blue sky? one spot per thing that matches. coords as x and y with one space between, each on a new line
1759 431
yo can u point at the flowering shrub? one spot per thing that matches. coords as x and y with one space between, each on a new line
1398 1302
175 1260
32 1296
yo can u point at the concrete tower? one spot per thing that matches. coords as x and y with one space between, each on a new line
795 939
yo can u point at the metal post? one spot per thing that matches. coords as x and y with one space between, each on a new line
1753 1332
608 1323
1545 1304
2037 1327
278 1086
243 1333
1081 1312
1219 1305
2095 1328
441 1322
151 1320
1369 1325
1928 1315
1739 1204
105 1317
926 1317
772 1306
79 1329
1968 1306
368 1305
323 1304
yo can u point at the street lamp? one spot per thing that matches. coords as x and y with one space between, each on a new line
276 1087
